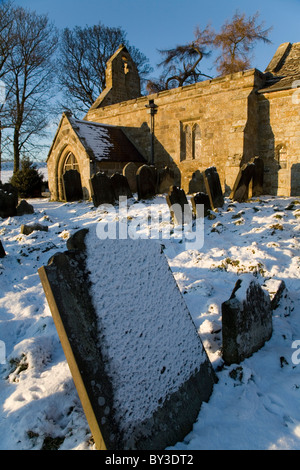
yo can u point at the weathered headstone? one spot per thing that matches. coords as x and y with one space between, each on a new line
141 380
213 187
8 204
258 176
179 206
24 208
240 190
102 189
166 178
146 178
2 251
72 185
196 183
28 229
279 295
129 171
200 199
120 186
246 320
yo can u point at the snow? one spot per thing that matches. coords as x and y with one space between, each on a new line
163 357
254 405
95 137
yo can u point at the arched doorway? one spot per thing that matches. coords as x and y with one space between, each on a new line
71 180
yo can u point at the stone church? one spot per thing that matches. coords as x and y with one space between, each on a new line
222 122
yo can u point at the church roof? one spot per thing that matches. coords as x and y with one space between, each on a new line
105 142
284 69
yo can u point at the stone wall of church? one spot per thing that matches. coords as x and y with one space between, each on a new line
65 143
279 141
214 122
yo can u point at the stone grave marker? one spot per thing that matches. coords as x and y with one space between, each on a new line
258 176
28 229
241 188
72 185
166 178
200 199
102 189
179 206
8 204
129 171
24 208
213 187
136 358
2 251
146 178
279 295
246 320
120 186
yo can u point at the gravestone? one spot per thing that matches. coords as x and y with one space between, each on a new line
200 199
8 204
213 187
279 295
258 176
72 185
28 229
133 350
240 191
179 206
146 178
2 251
102 189
246 320
24 208
120 186
129 171
166 178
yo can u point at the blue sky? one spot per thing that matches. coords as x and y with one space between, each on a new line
162 24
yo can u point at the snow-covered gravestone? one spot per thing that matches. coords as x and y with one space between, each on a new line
136 358
246 320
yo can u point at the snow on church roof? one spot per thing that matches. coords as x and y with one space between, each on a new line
105 142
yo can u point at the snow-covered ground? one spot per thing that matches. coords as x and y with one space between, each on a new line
254 405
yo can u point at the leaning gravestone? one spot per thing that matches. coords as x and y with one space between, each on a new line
129 171
136 358
102 189
120 186
241 187
198 200
2 251
213 187
146 178
179 206
246 320
72 185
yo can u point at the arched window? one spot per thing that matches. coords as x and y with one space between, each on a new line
70 163
196 152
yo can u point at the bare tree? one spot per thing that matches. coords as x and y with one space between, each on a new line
83 56
236 40
29 75
180 65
